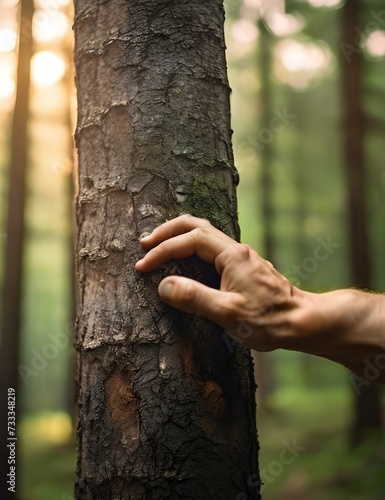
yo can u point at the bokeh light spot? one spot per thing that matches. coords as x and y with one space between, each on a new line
47 68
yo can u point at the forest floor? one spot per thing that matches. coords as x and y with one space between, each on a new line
319 463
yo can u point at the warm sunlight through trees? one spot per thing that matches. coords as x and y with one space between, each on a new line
51 30
286 63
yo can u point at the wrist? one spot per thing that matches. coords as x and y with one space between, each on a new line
346 326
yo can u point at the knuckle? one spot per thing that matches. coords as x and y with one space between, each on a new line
243 251
238 251
189 292
199 233
205 222
185 217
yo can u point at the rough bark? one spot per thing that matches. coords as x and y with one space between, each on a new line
367 402
166 403
13 276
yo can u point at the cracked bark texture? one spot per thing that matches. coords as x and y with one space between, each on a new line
166 401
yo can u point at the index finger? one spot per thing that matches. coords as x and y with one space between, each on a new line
179 225
180 238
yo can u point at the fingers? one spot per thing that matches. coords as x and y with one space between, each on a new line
191 296
171 228
201 239
180 225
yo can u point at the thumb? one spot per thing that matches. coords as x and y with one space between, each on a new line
191 296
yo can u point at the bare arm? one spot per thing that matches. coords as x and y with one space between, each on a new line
259 307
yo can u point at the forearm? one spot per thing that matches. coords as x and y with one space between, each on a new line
346 326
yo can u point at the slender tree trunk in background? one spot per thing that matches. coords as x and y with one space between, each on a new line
263 361
12 286
367 403
266 107
303 122
69 403
166 403
70 192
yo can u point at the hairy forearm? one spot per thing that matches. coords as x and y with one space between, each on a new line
346 326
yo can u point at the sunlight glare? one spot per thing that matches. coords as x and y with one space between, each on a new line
375 44
49 28
8 4
324 3
48 4
284 24
7 87
58 428
296 56
7 79
269 7
49 427
8 39
297 64
7 65
244 31
47 68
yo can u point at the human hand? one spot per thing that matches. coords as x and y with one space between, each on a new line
260 308
253 299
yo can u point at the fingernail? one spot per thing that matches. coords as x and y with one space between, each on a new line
165 290
144 235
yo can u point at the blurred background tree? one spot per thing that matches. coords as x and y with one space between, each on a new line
45 352
287 62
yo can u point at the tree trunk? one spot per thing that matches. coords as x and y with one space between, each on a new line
264 369
12 286
367 402
166 402
267 153
69 403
